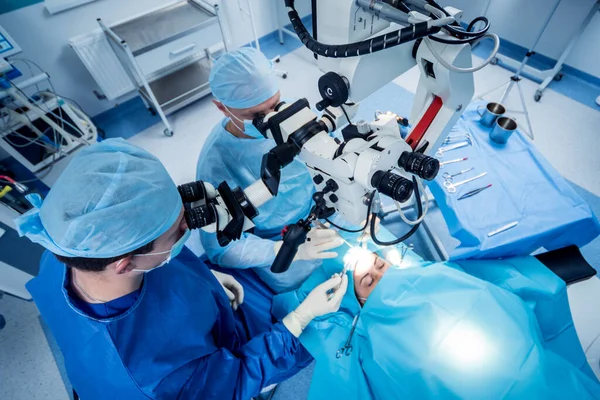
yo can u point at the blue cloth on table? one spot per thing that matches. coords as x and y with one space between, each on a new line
525 188
433 331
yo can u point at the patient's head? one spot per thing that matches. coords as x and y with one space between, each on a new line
368 269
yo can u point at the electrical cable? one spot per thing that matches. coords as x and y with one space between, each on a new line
355 49
56 116
453 42
451 67
422 217
476 20
30 140
407 234
346 114
467 32
28 64
8 179
463 36
72 101
53 91
370 203
53 149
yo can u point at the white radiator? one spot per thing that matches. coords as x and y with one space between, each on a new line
98 57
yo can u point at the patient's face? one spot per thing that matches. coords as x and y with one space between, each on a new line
367 273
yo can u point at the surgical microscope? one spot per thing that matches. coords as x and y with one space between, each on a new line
368 44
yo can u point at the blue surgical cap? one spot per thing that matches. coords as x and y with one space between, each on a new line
243 78
111 199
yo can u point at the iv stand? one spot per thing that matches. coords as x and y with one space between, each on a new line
250 13
515 80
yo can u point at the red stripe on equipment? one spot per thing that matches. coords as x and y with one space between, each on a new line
417 134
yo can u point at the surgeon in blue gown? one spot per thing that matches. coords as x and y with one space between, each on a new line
469 330
245 86
131 330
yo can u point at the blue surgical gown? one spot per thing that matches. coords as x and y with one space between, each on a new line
432 331
180 339
225 157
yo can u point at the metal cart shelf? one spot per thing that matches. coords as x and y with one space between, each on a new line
168 53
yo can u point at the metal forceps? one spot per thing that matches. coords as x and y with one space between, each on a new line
458 138
453 161
448 176
442 150
346 349
451 187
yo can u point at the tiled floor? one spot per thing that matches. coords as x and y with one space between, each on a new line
27 366
566 133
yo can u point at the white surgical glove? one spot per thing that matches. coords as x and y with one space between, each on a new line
233 289
318 241
317 303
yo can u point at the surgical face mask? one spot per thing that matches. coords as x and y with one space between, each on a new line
174 252
247 127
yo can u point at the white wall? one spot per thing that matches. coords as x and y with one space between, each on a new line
44 37
520 20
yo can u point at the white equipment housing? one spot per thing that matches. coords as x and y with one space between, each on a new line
368 73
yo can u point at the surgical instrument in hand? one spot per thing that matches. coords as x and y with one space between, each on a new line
451 187
474 192
448 177
453 161
404 251
332 291
444 149
346 349
502 229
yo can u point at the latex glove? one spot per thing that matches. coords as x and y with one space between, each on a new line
317 303
233 289
318 241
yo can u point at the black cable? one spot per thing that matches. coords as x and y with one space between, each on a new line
468 33
346 114
355 49
410 232
463 36
454 41
476 20
366 220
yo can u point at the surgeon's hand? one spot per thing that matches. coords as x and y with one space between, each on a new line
318 303
233 289
318 242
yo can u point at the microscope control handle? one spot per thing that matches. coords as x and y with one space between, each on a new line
293 238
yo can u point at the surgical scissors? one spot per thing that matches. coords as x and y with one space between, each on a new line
451 187
448 177
442 150
346 349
